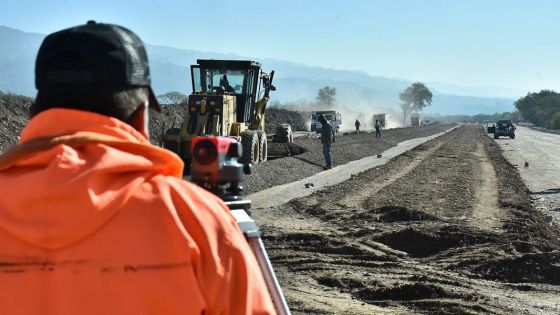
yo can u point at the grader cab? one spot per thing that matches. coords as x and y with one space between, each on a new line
229 99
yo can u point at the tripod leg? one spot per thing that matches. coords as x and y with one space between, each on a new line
278 299
251 231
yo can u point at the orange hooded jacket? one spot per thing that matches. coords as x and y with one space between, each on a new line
95 220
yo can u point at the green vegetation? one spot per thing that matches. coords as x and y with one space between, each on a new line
415 98
326 96
542 108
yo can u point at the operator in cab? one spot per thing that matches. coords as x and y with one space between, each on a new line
224 82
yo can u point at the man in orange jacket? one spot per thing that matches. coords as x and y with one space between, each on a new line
94 219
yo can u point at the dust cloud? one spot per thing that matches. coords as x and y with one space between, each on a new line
307 122
365 116
364 112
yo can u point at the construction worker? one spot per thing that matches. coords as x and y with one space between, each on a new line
96 220
224 82
377 129
327 138
357 124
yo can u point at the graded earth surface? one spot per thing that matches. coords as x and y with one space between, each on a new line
447 227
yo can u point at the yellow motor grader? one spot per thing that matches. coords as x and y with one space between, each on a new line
229 99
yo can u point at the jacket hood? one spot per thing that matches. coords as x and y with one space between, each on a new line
71 172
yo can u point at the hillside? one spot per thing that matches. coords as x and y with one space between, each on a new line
356 90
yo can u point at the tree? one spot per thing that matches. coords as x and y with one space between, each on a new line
540 108
554 121
326 96
414 99
172 98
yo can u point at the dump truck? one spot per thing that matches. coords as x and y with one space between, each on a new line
331 115
224 102
382 119
415 119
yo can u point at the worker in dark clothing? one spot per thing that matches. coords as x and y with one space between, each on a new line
327 138
377 129
357 124
224 82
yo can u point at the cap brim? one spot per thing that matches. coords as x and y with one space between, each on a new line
154 104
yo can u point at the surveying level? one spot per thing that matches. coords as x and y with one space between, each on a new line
215 167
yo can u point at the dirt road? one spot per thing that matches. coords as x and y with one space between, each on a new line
542 175
348 147
281 194
444 228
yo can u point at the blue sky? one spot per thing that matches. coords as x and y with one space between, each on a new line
509 43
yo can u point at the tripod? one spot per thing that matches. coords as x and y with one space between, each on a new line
240 209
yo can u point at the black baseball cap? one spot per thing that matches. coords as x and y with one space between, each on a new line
94 55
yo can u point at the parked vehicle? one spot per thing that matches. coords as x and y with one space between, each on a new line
331 115
382 119
504 128
415 119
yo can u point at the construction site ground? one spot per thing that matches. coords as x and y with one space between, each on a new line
536 155
348 147
447 227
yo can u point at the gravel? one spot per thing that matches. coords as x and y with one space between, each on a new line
14 111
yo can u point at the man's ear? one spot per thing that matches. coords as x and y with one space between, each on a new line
139 120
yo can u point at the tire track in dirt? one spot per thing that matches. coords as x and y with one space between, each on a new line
357 198
421 243
348 147
486 211
474 200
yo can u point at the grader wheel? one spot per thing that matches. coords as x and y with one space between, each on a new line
251 148
263 146
283 133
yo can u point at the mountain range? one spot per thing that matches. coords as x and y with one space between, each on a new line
356 90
